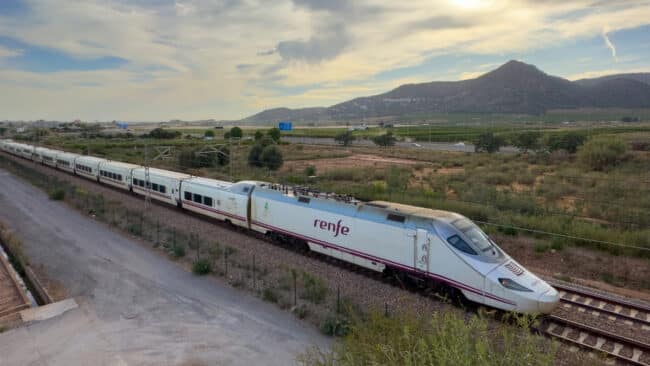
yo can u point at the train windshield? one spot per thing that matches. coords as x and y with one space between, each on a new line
480 239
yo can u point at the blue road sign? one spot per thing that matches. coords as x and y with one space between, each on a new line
285 126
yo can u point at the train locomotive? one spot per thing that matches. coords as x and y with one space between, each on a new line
423 244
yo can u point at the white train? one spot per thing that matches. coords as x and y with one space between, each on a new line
420 243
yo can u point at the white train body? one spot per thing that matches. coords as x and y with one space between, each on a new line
48 157
65 161
215 198
88 166
423 243
117 174
164 185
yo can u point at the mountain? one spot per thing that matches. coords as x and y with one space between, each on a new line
643 77
514 87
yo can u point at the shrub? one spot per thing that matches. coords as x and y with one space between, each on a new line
254 155
385 140
335 325
528 140
57 194
601 153
315 288
275 134
271 157
569 141
270 295
488 142
541 247
310 170
557 243
202 267
345 138
178 251
236 132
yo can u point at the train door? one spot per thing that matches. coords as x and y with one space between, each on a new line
422 250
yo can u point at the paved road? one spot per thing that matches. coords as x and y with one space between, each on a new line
136 307
436 146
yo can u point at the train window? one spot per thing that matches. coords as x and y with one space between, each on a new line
207 201
119 177
396 218
197 198
163 189
154 186
303 199
460 244
188 196
245 189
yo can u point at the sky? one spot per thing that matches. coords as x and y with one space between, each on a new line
156 60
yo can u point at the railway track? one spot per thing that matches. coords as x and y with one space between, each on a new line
599 305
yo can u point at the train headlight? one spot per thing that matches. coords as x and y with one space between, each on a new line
512 285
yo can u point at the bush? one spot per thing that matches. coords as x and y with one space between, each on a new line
488 142
569 141
159 133
602 153
345 138
236 132
275 134
271 157
315 288
270 295
254 156
57 194
335 325
202 267
385 140
525 141
310 170
557 243
541 247
178 251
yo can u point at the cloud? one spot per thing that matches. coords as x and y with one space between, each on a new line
609 44
324 46
9 52
196 59
470 75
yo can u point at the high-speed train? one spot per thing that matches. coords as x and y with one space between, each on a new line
424 244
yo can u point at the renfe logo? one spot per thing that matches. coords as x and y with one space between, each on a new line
336 228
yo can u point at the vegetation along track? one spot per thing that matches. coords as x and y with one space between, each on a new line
608 339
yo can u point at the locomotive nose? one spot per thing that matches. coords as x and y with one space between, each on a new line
548 301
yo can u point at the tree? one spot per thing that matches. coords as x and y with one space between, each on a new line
159 133
385 140
190 158
272 157
258 135
223 156
488 142
569 141
603 152
254 156
525 141
345 138
2 131
274 133
236 132
208 133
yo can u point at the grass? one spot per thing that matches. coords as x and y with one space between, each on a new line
57 194
439 339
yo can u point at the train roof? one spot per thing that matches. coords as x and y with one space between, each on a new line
120 164
208 182
93 159
164 173
408 210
